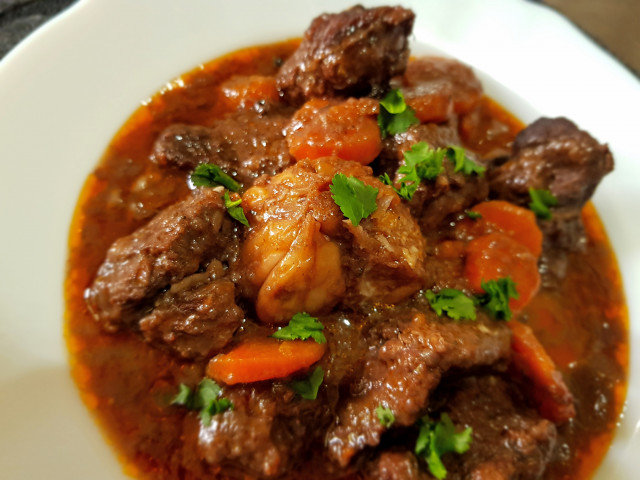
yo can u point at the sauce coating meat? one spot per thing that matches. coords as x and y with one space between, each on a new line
321 259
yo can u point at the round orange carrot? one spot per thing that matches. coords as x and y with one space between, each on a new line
244 91
259 359
497 255
549 390
347 130
517 222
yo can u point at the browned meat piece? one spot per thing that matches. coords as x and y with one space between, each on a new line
185 146
510 440
352 53
438 87
245 144
196 317
395 465
553 154
267 429
171 246
450 192
402 372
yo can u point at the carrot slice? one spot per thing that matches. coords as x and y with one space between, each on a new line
347 130
517 222
433 107
497 255
263 359
245 91
529 357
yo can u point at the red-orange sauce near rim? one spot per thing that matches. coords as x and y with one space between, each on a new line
126 384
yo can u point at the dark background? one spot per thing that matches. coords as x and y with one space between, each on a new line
614 24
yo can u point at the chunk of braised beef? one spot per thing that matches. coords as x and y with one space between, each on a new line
553 154
450 192
403 368
395 465
171 246
268 429
352 53
196 317
438 88
246 144
510 440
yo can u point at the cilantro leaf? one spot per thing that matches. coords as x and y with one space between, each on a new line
302 326
453 302
210 175
184 396
541 200
473 215
355 199
405 191
206 399
439 438
385 416
308 388
234 209
497 296
421 162
462 163
425 161
395 115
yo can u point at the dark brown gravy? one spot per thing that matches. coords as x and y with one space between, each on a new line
128 385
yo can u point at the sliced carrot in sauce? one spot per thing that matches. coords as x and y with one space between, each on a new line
497 255
529 357
264 359
244 91
517 222
347 130
436 107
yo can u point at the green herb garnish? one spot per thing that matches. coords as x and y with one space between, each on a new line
355 199
385 416
454 303
395 115
206 398
462 163
211 175
497 296
436 439
473 215
308 388
234 209
541 200
421 162
302 326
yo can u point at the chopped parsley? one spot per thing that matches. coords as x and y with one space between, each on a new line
385 416
541 200
206 398
210 175
421 162
462 163
308 388
497 296
436 439
454 303
234 209
395 115
302 326
473 215
355 199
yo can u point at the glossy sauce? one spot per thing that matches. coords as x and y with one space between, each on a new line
128 384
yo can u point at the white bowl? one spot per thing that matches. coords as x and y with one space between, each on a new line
67 89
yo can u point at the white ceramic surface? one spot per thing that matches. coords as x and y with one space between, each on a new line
67 88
